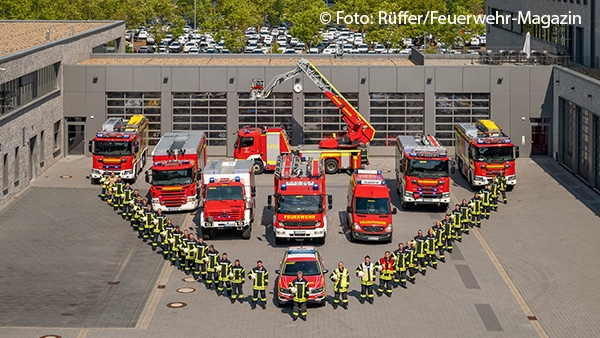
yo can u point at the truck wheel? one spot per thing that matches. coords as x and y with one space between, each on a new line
444 207
461 169
278 241
352 239
404 205
510 187
206 233
471 179
259 167
321 241
246 233
331 166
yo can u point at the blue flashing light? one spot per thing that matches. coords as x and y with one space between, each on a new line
303 159
358 181
420 189
507 141
413 154
211 180
246 131
185 162
382 182
99 135
315 186
434 189
237 178
126 136
283 186
378 172
479 141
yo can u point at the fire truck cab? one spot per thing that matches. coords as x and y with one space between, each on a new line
300 199
483 151
120 147
228 192
423 171
369 209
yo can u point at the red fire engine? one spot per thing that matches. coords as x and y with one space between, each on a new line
483 151
345 151
120 147
300 199
422 171
177 161
369 209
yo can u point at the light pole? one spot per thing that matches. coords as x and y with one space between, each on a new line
194 15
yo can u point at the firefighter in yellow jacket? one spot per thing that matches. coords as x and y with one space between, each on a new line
341 281
367 273
299 287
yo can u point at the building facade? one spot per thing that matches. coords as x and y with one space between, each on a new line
577 33
32 134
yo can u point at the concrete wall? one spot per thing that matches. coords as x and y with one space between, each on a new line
522 92
21 125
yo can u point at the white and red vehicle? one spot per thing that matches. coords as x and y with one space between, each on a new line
300 199
120 147
483 151
369 209
177 161
423 171
309 261
228 192
346 151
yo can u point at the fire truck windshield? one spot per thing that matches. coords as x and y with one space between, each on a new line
300 204
112 148
428 168
375 206
308 268
172 177
225 193
494 154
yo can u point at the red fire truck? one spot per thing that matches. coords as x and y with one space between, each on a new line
300 199
422 171
483 151
177 161
228 192
120 147
344 151
369 209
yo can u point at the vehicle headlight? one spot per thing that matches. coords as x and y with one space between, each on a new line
208 224
281 224
284 290
240 222
389 228
317 290
191 198
408 193
441 182
446 195
507 165
155 200
318 223
356 226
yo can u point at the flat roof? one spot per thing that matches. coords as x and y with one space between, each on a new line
240 60
18 36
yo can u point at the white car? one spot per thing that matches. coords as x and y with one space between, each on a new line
189 45
268 39
143 35
483 40
363 48
379 49
405 51
347 48
329 50
264 30
407 41
193 50
475 42
282 40
293 42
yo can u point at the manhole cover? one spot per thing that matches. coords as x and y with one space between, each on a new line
176 305
186 290
51 336
189 279
66 177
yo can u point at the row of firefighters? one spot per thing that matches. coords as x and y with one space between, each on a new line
395 269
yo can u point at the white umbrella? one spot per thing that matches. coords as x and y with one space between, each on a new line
527 45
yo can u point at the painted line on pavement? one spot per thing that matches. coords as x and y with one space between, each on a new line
508 281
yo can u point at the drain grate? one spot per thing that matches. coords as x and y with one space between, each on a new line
51 336
532 317
113 283
66 177
161 286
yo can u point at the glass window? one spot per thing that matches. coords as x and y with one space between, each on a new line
323 117
273 111
453 108
201 111
133 103
391 119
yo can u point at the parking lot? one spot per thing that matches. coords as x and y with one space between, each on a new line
71 267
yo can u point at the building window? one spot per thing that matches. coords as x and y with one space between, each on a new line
453 108
127 104
322 118
584 141
568 146
27 88
274 111
42 146
56 136
394 114
5 172
17 166
597 141
202 112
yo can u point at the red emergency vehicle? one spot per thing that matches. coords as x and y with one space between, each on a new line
300 199
369 209
483 151
309 261
345 150
120 147
422 171
177 161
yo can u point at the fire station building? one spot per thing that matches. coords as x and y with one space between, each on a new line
58 89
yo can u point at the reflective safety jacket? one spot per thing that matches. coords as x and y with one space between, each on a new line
192 249
494 190
238 274
448 229
127 195
419 245
213 260
368 273
387 268
341 281
456 218
302 290
502 183
475 204
440 235
410 257
431 243
161 221
149 222
201 252
167 234
176 242
225 274
485 197
259 277
465 213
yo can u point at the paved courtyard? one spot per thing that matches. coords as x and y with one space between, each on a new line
73 268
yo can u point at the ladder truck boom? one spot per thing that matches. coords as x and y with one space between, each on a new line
359 130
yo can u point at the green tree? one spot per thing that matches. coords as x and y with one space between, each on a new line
305 22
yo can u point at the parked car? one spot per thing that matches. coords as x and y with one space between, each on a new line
309 261
189 45
363 48
175 47
143 35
